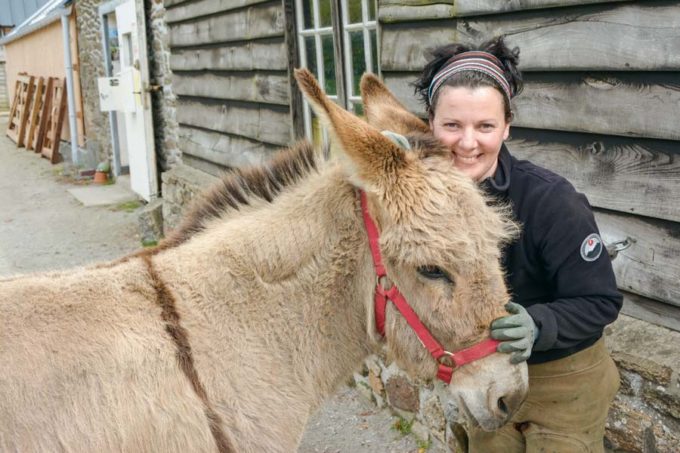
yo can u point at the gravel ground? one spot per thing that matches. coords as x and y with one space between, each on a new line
43 227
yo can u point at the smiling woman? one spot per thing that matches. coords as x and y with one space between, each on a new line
563 286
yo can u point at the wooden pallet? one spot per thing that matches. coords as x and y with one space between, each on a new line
34 115
16 129
54 120
35 142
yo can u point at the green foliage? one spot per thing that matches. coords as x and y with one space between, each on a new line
128 206
423 445
403 426
149 243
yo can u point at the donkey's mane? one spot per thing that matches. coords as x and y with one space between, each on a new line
241 187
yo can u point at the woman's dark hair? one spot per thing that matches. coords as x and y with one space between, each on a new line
509 58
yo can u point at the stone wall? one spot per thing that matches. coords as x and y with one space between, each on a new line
180 185
91 56
644 418
164 101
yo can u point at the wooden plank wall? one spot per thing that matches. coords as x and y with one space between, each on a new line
230 72
601 107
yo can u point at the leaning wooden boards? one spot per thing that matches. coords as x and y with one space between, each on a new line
34 112
54 121
23 95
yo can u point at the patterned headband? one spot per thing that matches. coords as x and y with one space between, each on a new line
476 61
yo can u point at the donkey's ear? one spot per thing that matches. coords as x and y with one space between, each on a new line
376 160
384 111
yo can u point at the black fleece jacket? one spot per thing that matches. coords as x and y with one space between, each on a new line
558 269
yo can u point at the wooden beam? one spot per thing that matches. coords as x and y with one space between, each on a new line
265 88
632 105
169 3
255 122
242 57
205 166
260 21
597 37
628 175
651 266
407 10
651 311
221 149
297 121
193 10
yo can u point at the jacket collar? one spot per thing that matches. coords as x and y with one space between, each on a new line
500 181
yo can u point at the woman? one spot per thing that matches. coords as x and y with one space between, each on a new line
559 274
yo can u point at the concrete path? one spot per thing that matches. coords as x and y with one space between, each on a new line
43 226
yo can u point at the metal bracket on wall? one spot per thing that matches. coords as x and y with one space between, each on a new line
614 248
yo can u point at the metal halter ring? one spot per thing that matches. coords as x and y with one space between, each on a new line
446 359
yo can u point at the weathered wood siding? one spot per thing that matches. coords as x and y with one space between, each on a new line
600 107
230 72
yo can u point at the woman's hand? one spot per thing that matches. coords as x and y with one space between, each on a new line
518 332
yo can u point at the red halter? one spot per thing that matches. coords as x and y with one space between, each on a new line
448 361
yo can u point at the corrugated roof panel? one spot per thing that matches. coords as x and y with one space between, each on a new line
14 12
46 14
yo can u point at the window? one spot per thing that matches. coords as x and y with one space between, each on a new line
338 42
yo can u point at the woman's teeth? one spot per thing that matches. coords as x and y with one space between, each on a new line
465 159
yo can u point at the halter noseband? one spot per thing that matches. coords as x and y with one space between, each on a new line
447 361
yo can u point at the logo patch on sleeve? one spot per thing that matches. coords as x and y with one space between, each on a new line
592 247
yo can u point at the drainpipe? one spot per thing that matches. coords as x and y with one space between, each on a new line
70 93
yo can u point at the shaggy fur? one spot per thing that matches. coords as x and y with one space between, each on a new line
232 332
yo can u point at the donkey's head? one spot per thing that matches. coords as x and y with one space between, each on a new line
440 244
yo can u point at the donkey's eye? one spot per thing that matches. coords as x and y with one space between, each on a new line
433 273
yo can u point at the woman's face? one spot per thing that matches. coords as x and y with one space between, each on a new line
471 123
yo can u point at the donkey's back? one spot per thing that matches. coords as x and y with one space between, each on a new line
88 365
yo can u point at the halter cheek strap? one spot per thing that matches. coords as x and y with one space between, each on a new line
447 361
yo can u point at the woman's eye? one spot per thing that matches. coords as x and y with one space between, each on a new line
487 127
433 273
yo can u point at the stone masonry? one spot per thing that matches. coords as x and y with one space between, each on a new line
644 418
180 185
91 56
164 101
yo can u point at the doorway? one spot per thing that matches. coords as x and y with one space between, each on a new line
126 84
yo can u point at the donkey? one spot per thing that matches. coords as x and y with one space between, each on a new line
231 332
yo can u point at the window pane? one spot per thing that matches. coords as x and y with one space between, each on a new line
374 51
358 59
371 9
358 109
307 14
325 13
328 64
310 48
354 7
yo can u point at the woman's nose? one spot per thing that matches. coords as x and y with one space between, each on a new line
467 139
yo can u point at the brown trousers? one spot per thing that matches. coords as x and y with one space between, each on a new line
565 410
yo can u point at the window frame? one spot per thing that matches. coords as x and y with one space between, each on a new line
340 31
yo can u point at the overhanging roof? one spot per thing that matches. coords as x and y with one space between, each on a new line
48 13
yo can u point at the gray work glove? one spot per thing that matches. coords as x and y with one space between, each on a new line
520 331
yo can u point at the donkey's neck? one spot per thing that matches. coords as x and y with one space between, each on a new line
294 278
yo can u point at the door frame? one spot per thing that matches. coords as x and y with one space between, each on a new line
152 176
104 10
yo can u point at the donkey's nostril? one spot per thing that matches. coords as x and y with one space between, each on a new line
502 406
